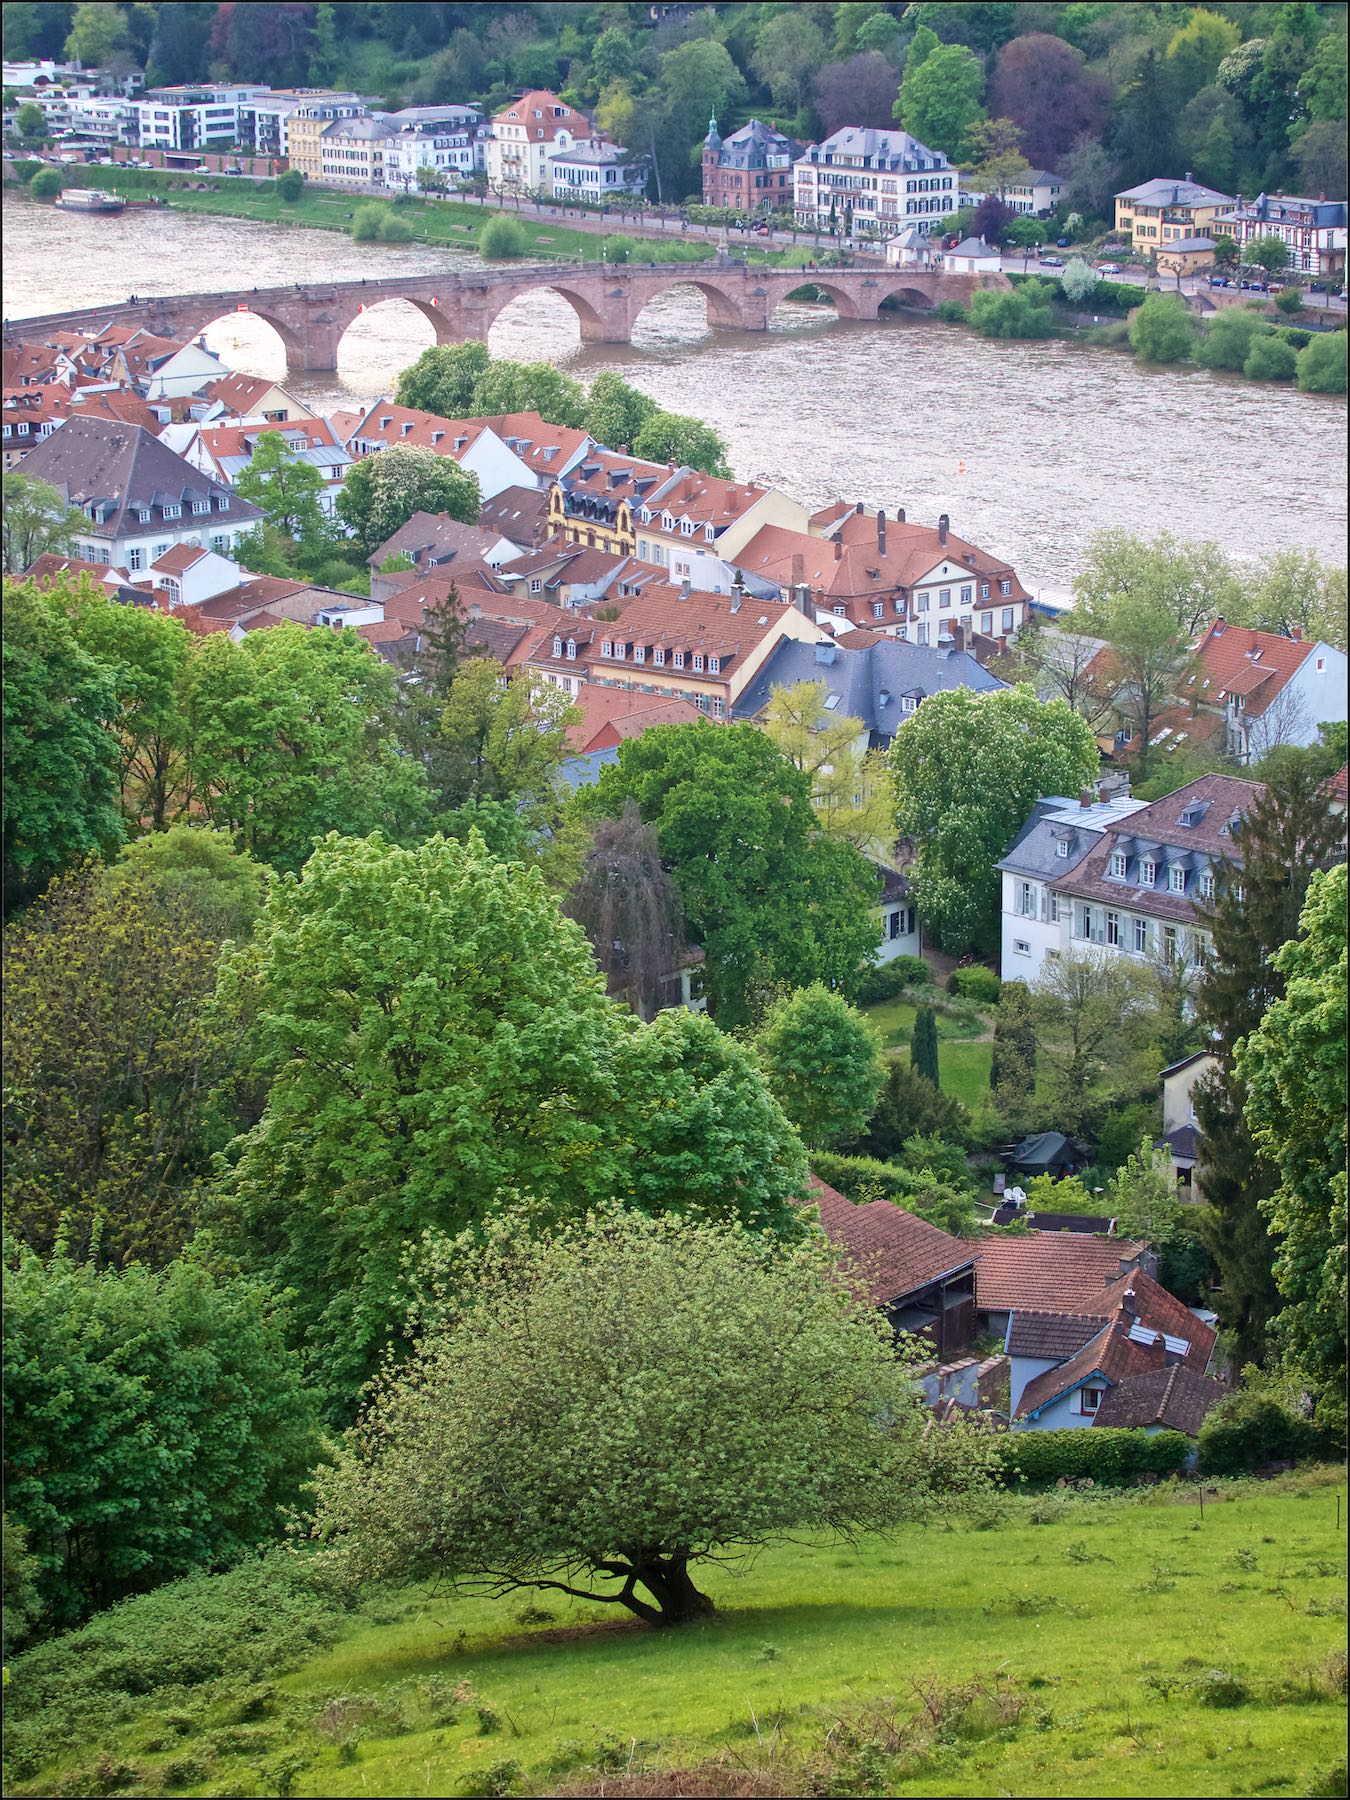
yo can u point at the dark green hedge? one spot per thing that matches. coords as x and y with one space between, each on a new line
889 979
1041 1457
1250 1429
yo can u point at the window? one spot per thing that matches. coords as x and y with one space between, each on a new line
921 602
1176 880
678 659
571 649
966 596
1119 863
659 657
606 648
1113 928
201 506
1007 618
719 709
143 514
1140 936
944 597
698 663
1062 847
158 551
1170 940
984 590
135 559
1207 887
1021 947
1089 1399
1085 923
1026 899
1005 587
218 544
923 634
714 665
1148 871
620 651
987 624
878 609
536 587
639 653
171 510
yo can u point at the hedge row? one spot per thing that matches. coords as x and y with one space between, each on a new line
888 980
1040 1458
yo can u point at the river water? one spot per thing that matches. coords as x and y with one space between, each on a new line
1029 448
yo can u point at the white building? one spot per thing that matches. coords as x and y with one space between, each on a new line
1037 194
972 257
524 137
1054 840
592 169
868 183
455 145
1313 231
194 118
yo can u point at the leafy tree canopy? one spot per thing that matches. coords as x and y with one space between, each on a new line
823 1062
382 492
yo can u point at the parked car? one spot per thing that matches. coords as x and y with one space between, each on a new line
1108 268
1256 287
1219 281
1052 262
1063 243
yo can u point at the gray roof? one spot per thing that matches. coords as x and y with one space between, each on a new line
1164 192
1191 243
584 771
433 538
1324 213
867 684
753 145
1039 1151
1052 1337
1034 851
360 129
124 466
883 149
973 247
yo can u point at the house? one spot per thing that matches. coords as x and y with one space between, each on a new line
30 414
880 684
51 567
972 256
304 125
865 183
921 1277
575 578
525 135
251 397
508 450
352 151
1337 790
1053 1272
1180 1136
750 171
911 248
1269 689
1164 210
1313 231
1056 837
519 514
610 715
1037 192
431 541
695 525
595 501
1187 256
896 915
591 169
139 499
448 141
226 451
159 368
1137 891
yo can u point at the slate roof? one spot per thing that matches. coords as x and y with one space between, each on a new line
1177 1398
1164 192
753 145
894 1253
433 539
126 467
1050 1334
584 771
881 149
1058 819
858 678
1184 1143
1050 1271
519 514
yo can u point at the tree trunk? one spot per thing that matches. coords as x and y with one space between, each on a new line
668 1581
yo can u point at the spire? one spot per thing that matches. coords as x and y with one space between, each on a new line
712 141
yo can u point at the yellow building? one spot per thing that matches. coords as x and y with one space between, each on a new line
1186 256
1159 212
305 128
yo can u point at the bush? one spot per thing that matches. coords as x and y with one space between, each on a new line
1121 1128
864 1178
1294 335
1250 1429
1270 359
45 185
290 186
502 237
975 983
1040 1458
367 221
1023 312
887 980
394 230
951 312
1228 338
1320 368
1163 331
617 249
1289 300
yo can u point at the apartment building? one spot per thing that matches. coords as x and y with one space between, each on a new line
591 169
451 140
1160 211
194 118
306 124
871 183
1313 231
524 137
751 170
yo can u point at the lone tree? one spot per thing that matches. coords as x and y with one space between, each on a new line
629 908
599 1410
923 1044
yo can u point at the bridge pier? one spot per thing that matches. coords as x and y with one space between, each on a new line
316 342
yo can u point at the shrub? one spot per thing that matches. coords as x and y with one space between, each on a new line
1162 331
1270 359
1250 1429
951 312
889 979
1040 1458
919 1191
394 230
1293 335
975 983
1023 312
1320 368
617 249
290 186
367 221
1289 300
501 237
45 185
1228 339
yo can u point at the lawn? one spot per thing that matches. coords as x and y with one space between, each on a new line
1127 1646
964 1054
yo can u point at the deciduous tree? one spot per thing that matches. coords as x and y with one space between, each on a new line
538 1437
442 379
1094 1006
501 741
683 440
616 411
941 98
861 90
823 1060
1042 84
36 520
1162 331
629 907
288 491
850 785
382 492
789 52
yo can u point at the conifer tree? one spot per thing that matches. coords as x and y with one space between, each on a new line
923 1046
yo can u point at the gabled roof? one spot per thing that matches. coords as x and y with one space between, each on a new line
434 539
1177 1398
518 513
243 394
662 617
614 714
179 559
556 115
1236 660
851 563
894 1253
703 499
1128 1349
1045 1335
1168 191
51 403
1050 1271
870 683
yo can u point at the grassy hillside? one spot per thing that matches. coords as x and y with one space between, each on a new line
965 1047
1078 1645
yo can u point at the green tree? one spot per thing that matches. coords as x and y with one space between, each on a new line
291 734
618 249
941 98
1289 300
534 1439
1196 49
1095 1011
290 186
1293 1068
502 237
31 124
442 379
967 768
1079 281
60 747
611 57
1012 1068
1288 832
382 492
502 742
699 78
288 491
629 907
442 1040
1323 86
1143 128
155 1423
883 33
22 1600
35 520
1229 338
1162 331
97 31
1270 359
1320 368
1143 1197
1022 312
824 1065
910 1106
850 786
1191 582
505 387
1291 591
685 441
616 411
701 1131
770 899
1269 253
47 184
111 1066
220 887
789 52
923 1046
996 157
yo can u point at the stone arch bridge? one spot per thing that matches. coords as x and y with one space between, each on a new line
310 320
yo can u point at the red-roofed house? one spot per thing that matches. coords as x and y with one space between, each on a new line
31 414
1270 690
609 715
505 451
254 397
525 135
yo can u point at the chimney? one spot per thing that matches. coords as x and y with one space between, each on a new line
684 588
825 652
737 592
881 534
1189 176
899 515
858 507
1219 626
838 549
797 567
801 599
1086 796
943 524
1128 1309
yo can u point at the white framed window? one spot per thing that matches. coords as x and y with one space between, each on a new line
698 663
1026 899
171 509
219 544
620 652
984 590
135 559
557 646
1119 863
158 551
606 647
659 657
143 514
987 622
1140 936
908 702
714 665
1171 940
1207 887
1089 1399
878 609
922 602
639 653
1005 587
201 506
944 597
719 708
923 634
1021 947
1113 928
1176 880
536 587
678 659
1085 923
1007 618
1062 847
1148 871
967 595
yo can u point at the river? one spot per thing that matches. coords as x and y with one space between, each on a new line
1029 447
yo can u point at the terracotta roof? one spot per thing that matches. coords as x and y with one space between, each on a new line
518 513
493 637
1174 727
1162 1311
614 476
1176 1398
1336 785
387 423
180 559
1049 1271
1109 1353
557 116
51 567
894 1253
53 402
1124 1355
662 617
703 499
241 393
542 447
609 715
1050 1334
1237 660
433 540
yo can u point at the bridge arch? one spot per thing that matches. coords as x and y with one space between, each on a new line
292 346
579 297
381 316
725 307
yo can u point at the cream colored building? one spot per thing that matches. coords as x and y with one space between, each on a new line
1161 211
525 135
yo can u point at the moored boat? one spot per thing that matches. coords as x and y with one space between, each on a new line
90 200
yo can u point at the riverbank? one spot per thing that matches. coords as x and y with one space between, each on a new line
571 235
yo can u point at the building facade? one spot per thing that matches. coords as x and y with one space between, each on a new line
865 183
525 135
751 170
591 169
1312 231
1054 840
1160 211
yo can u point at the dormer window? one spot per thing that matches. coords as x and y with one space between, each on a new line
385 424
639 653
678 659
620 651
698 663
606 648
143 514
646 515
222 503
171 509
1119 862
436 436
1177 880
1207 887
1148 871
667 522
557 646
571 649
1062 847
201 506
709 534
714 665
659 657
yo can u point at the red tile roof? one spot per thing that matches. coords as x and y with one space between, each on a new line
1233 659
52 402
1050 1271
179 559
555 116
609 715
1177 1398
891 1251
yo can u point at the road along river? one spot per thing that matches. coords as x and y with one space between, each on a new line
1029 447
